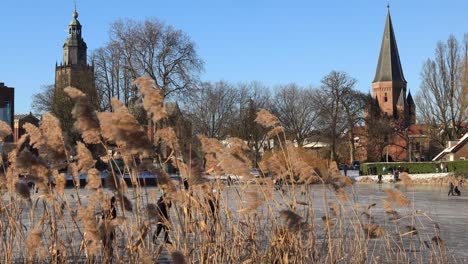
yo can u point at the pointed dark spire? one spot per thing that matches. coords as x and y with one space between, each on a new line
401 99
389 66
409 99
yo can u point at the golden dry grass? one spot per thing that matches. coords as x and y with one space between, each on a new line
208 222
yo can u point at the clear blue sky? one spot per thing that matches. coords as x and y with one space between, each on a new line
271 41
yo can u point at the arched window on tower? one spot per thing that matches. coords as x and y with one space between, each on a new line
385 97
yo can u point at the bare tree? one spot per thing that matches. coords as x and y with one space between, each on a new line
354 103
251 97
212 109
154 49
42 101
442 99
335 86
294 106
112 78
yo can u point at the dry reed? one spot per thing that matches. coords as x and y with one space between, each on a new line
86 120
209 221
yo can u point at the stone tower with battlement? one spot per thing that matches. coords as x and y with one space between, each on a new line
73 71
389 85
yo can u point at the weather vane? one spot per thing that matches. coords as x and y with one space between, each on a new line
388 3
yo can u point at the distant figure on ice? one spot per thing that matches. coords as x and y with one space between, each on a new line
164 205
450 189
396 174
107 216
379 178
457 192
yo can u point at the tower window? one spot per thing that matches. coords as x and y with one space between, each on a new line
385 97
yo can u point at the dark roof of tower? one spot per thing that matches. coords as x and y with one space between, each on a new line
75 21
401 98
409 99
389 66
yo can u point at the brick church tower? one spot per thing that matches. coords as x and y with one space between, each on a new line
73 71
389 85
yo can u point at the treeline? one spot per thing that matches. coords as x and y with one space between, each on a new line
327 113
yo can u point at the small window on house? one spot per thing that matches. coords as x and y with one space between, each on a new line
385 97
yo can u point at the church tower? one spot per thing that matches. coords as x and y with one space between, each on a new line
389 85
73 71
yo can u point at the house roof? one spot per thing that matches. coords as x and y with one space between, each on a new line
452 149
21 116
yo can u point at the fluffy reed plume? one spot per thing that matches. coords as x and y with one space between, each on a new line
36 167
373 230
164 181
341 195
94 179
211 145
5 130
275 132
225 160
153 100
123 129
334 209
96 198
191 170
328 221
35 244
152 211
266 119
14 152
125 202
35 136
397 197
394 215
3 184
178 257
115 183
168 137
73 171
91 231
60 181
254 200
275 163
406 179
84 157
52 134
300 166
84 113
22 189
293 221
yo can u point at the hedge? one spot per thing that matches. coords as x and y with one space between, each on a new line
460 167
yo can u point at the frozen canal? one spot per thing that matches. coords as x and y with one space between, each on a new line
450 212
